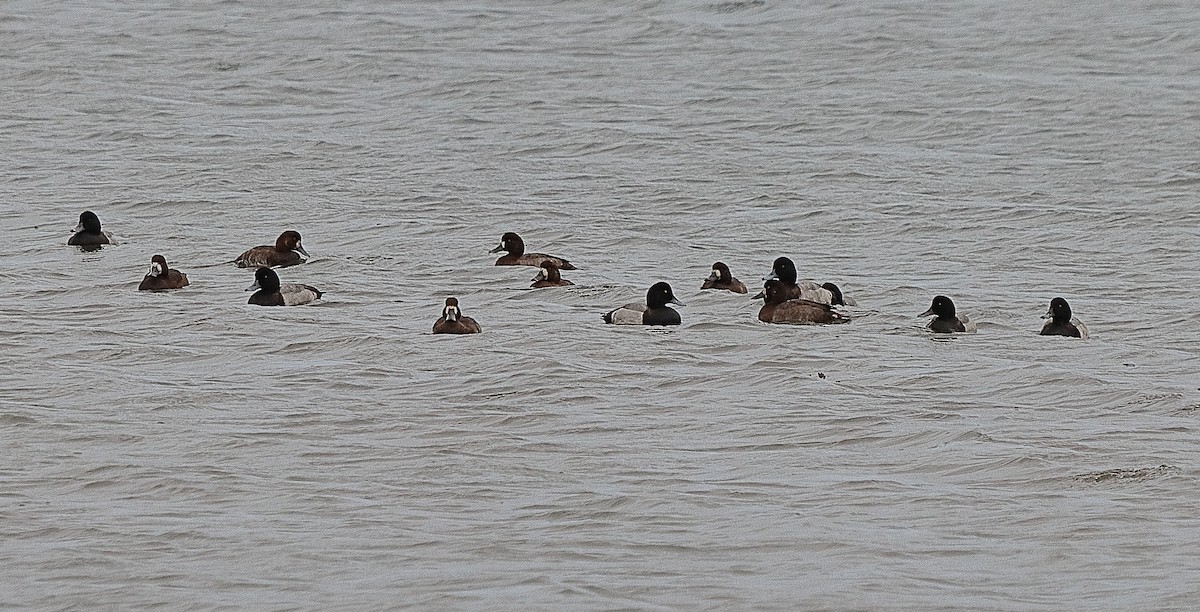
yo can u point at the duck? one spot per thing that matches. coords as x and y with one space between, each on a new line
160 277
88 232
721 278
947 322
777 308
271 293
549 276
837 299
654 312
453 321
286 252
784 270
1061 322
517 256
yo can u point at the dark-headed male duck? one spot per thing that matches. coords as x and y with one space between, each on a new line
453 321
518 257
160 277
779 309
947 322
271 293
654 312
286 252
548 276
784 270
722 279
1061 322
88 232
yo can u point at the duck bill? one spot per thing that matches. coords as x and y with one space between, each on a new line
541 276
1049 314
714 277
78 227
254 287
497 249
299 249
451 314
926 313
761 295
155 270
771 276
675 301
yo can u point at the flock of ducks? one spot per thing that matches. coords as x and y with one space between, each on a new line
785 299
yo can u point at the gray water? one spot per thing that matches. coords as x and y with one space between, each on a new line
184 449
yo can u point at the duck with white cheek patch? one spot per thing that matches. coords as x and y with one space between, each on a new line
161 278
453 321
721 278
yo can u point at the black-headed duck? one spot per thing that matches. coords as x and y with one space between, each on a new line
549 276
88 233
654 312
517 256
1061 322
779 309
453 321
271 293
720 278
784 270
160 277
286 252
947 321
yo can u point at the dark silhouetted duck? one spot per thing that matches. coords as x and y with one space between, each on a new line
518 257
161 277
784 271
1061 322
286 252
453 321
88 233
722 279
654 312
271 293
779 309
548 276
947 321
836 295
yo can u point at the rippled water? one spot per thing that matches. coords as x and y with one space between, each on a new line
185 449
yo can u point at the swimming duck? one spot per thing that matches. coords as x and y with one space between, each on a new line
947 321
271 293
286 252
88 232
654 312
453 321
548 276
784 270
518 257
1061 322
161 277
720 278
777 308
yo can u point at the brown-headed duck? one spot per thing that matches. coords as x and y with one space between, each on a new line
777 308
947 322
722 279
518 257
784 270
1061 322
654 312
453 321
88 233
160 277
271 293
548 276
286 252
